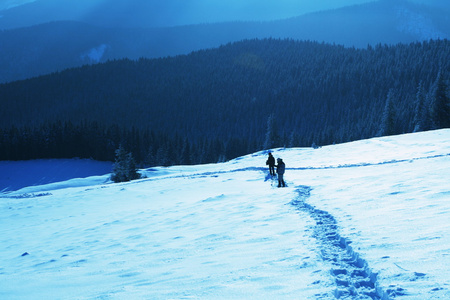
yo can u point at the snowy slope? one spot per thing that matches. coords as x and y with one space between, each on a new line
363 220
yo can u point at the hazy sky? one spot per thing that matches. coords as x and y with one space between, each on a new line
203 9
181 12
262 9
5 4
305 4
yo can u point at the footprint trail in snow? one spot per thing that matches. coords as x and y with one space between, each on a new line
353 277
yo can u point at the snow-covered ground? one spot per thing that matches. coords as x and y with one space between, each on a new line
362 220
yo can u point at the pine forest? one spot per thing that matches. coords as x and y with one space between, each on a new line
217 104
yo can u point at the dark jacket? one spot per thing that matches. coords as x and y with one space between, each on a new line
280 167
270 161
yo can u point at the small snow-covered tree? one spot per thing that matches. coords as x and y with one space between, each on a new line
124 167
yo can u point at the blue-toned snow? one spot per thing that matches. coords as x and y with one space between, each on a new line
362 220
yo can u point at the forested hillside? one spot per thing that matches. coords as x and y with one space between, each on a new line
221 103
55 46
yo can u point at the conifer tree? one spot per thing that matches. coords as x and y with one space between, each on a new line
185 157
421 110
272 137
388 119
124 166
440 104
162 156
294 139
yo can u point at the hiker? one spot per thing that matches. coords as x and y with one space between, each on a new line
280 171
271 163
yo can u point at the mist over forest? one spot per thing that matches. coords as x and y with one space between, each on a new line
55 46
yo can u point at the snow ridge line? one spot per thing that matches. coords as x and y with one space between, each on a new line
353 277
14 195
264 169
394 161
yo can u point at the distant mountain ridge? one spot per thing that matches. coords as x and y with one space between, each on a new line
156 13
50 47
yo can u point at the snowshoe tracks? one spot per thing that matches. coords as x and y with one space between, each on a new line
353 277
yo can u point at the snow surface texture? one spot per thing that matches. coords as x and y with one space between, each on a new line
363 220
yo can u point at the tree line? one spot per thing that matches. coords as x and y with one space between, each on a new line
92 140
217 104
